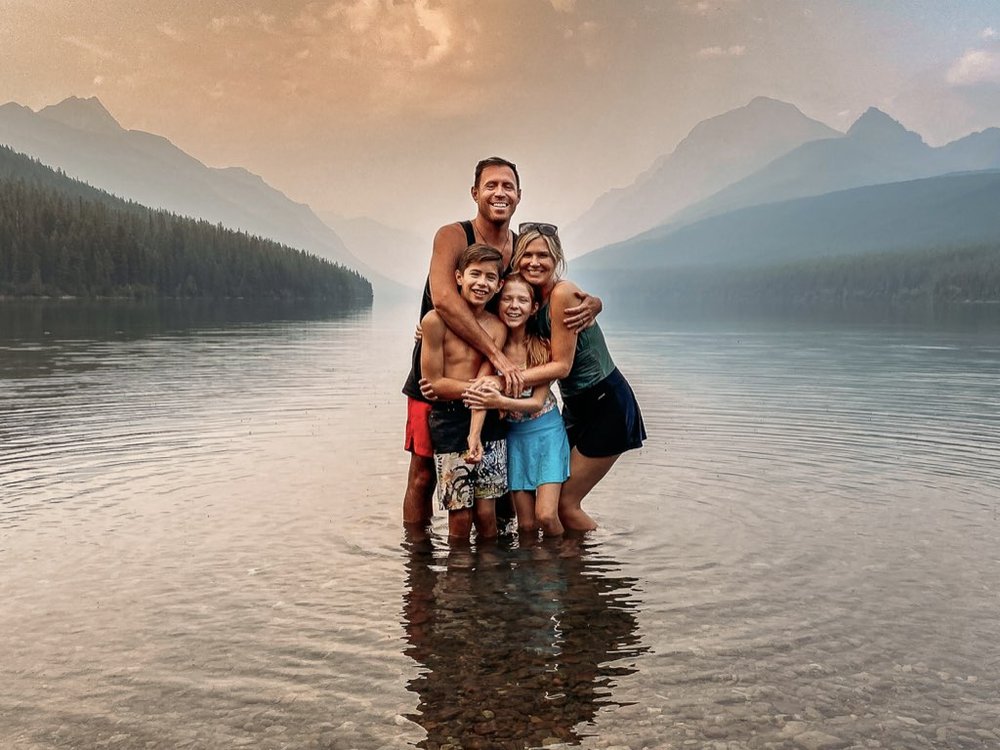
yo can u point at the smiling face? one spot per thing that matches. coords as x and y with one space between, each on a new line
536 264
479 282
517 303
497 194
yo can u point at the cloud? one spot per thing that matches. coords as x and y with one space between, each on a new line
989 33
255 20
222 23
98 80
390 35
359 15
564 6
975 66
88 46
587 29
706 7
436 23
736 50
217 91
169 31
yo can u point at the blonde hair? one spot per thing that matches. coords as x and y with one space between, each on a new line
551 241
539 349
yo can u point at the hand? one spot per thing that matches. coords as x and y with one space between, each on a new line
427 390
487 383
479 399
513 378
582 316
475 453
418 333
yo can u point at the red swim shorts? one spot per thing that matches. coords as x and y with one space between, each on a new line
418 434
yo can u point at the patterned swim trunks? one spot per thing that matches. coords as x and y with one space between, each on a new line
460 483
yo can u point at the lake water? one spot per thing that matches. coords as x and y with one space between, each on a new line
200 544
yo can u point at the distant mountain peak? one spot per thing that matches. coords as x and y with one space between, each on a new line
766 102
769 118
13 107
83 114
875 124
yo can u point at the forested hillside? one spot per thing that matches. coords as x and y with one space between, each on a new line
930 276
955 210
61 237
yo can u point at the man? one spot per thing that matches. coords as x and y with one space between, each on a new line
496 192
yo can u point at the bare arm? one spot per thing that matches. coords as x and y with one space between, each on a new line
492 399
432 359
449 242
563 341
475 441
499 333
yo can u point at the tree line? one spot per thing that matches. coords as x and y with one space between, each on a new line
60 237
929 276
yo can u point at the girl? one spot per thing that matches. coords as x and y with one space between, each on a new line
537 448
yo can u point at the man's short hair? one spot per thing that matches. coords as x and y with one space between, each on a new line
496 161
480 253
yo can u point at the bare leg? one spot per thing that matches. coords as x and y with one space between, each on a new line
547 508
418 502
584 474
486 519
524 506
459 526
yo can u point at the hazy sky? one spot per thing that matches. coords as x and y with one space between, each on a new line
382 107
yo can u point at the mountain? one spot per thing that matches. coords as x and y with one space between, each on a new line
81 138
60 236
82 114
953 210
977 151
716 153
876 150
401 256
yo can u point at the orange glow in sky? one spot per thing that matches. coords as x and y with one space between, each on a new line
381 108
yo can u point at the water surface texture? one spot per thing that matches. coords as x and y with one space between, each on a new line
200 544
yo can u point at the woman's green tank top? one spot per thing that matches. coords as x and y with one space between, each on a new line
591 361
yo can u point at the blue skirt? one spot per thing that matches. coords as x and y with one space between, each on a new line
537 452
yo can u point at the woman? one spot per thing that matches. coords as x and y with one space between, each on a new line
601 414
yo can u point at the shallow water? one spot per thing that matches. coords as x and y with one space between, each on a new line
200 545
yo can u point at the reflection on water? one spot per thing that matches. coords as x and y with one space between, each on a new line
30 330
200 544
96 319
517 647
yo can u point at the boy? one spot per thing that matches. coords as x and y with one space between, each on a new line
470 455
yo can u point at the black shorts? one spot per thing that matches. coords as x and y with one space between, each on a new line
449 426
604 420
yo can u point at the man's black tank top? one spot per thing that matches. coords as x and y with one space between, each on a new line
412 385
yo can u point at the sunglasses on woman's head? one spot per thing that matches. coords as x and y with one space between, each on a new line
549 230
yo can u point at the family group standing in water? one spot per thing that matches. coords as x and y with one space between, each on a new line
499 325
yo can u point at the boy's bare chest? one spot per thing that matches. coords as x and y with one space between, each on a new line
460 359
